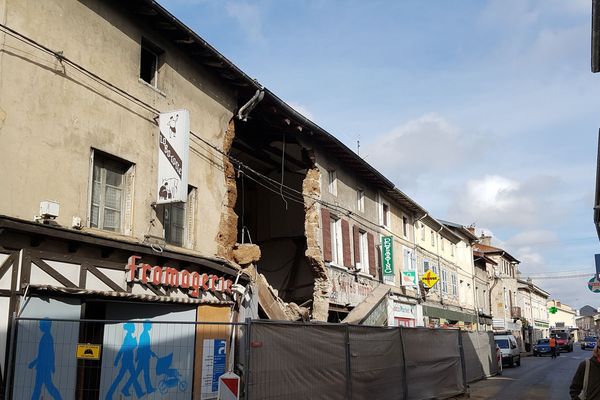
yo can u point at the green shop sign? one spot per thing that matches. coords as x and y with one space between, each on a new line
387 255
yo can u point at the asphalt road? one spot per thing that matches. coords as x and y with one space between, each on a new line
537 378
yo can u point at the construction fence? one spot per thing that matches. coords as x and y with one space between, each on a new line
116 359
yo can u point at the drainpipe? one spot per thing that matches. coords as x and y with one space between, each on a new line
249 106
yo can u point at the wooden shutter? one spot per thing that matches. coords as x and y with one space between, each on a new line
326 229
346 243
371 243
356 237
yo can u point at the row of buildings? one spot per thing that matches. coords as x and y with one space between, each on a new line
146 176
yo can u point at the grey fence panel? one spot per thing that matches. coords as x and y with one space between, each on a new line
376 362
433 363
296 361
480 355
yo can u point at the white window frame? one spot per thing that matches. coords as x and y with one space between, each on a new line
444 280
189 209
127 186
363 244
385 215
360 200
423 233
436 270
453 284
432 239
151 48
337 248
442 243
332 181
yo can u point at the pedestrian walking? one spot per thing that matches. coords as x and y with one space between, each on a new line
553 346
586 382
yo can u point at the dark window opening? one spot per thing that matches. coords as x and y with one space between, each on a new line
150 63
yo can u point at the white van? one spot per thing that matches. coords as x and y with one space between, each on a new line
511 354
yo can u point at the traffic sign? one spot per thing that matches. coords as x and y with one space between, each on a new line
429 279
88 351
229 386
594 284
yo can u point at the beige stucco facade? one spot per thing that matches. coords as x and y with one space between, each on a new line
57 115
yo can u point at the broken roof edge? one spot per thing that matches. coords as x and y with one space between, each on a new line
385 183
463 229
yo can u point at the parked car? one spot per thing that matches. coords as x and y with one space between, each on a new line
509 348
541 348
588 342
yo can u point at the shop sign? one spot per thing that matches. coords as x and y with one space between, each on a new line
404 310
170 277
173 149
387 255
214 356
429 279
88 351
409 278
346 289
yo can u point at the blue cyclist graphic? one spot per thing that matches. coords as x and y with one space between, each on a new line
44 363
125 355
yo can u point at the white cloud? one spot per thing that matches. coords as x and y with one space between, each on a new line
498 201
301 109
428 144
249 18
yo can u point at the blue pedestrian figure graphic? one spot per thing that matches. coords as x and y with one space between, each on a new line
142 357
125 355
44 363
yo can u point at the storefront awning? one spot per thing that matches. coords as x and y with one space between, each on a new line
48 289
451 315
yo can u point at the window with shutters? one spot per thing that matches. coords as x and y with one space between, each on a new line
444 281
111 192
422 232
337 251
432 238
454 286
364 251
178 220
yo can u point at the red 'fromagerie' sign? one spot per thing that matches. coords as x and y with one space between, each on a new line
156 275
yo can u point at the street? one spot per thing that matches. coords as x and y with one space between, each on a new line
536 378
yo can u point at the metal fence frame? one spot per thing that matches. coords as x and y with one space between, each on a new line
243 360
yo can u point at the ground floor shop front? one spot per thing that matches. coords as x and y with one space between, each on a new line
89 318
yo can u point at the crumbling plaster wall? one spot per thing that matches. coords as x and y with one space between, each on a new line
311 188
227 236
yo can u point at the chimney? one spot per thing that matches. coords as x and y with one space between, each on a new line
485 240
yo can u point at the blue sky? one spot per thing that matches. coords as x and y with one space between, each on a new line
484 112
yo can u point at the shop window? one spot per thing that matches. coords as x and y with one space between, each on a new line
111 193
178 220
405 322
150 62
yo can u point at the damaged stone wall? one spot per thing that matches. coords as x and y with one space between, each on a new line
311 188
227 236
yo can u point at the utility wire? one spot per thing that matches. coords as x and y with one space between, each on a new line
240 166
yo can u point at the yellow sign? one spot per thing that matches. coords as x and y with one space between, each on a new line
429 279
88 351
